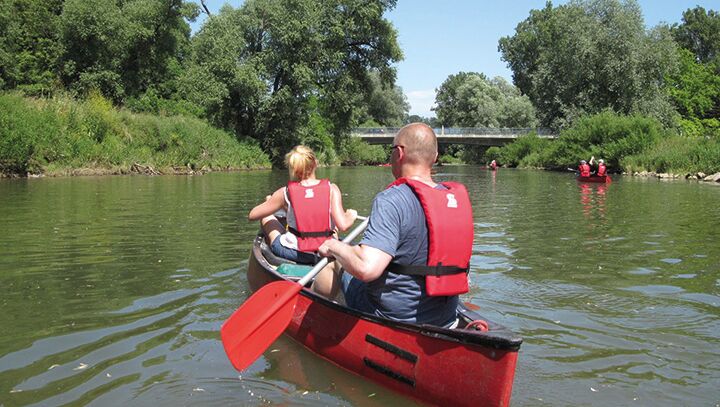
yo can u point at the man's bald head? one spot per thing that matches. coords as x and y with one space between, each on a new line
419 144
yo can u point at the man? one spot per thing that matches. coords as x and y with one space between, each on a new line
413 259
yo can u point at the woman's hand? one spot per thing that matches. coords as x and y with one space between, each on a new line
351 214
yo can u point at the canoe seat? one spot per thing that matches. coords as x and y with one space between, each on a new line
293 270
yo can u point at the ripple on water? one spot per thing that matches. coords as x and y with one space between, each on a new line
671 260
685 276
642 271
708 299
655 289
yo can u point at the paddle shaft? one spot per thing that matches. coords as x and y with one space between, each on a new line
266 314
322 263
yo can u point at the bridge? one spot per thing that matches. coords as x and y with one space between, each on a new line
479 136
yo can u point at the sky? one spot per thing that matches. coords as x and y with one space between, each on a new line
442 38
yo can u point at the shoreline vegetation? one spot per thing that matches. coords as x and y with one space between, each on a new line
94 87
60 136
633 145
63 136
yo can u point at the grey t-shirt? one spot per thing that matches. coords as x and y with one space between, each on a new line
397 227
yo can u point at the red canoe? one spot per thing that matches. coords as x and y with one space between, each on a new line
450 367
595 178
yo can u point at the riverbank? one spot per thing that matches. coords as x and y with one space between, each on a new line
700 176
628 144
61 136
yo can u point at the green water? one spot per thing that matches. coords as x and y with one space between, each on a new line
114 290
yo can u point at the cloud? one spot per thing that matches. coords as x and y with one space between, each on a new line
421 101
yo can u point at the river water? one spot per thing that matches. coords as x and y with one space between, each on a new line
114 289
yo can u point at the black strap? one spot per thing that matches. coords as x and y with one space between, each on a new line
424 270
298 233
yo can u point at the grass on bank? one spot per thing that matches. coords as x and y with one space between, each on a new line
60 135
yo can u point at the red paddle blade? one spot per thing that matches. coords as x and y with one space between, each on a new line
258 322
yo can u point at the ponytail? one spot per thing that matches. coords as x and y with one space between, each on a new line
301 162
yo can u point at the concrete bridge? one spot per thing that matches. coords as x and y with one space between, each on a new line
479 136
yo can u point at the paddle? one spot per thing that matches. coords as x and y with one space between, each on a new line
266 314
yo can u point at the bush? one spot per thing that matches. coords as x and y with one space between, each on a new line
514 154
606 135
354 151
61 134
678 155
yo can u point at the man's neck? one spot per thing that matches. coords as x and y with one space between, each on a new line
419 174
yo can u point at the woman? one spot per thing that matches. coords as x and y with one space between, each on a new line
314 208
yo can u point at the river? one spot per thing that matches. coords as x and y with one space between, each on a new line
114 289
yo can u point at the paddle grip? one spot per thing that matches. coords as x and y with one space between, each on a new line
322 263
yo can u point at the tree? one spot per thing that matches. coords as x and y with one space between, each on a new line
588 56
123 48
257 69
29 44
695 89
446 98
700 33
471 100
387 105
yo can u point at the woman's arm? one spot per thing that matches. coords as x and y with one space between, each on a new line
343 219
272 204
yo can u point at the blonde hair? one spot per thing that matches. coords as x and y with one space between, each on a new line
301 162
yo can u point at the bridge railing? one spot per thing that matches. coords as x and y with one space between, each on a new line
381 131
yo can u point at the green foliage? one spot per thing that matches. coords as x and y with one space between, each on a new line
354 151
430 121
605 135
386 106
152 102
59 134
700 33
29 44
123 48
695 89
678 155
471 100
587 56
522 152
256 69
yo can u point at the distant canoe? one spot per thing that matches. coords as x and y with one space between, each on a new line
604 179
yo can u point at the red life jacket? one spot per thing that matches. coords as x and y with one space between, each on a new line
312 214
584 170
448 215
602 170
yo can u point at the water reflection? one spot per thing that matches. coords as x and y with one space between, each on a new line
592 198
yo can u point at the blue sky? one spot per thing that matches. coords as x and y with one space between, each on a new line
443 38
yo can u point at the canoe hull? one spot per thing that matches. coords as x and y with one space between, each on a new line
430 364
594 178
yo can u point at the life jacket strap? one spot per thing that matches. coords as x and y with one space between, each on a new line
425 270
298 233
